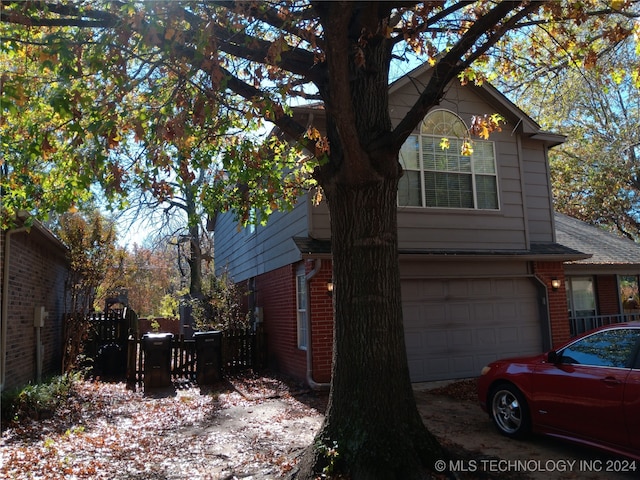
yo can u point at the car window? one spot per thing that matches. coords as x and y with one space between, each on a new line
610 348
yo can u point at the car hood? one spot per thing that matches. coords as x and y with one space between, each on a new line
527 360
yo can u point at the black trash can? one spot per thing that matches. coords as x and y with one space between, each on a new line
208 357
157 359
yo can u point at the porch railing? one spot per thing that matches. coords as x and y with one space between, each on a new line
580 325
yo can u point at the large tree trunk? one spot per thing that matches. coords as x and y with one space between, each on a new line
372 418
372 421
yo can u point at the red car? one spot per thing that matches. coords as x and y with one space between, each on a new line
587 391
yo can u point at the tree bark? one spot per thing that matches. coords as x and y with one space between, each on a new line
372 421
372 418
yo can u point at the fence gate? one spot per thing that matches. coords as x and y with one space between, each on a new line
241 349
108 340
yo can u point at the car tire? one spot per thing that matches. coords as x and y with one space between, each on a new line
509 411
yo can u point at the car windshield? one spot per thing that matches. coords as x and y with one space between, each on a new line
610 348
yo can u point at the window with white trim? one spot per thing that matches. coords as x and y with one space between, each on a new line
443 168
301 305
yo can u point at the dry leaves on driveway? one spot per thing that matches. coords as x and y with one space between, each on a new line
249 427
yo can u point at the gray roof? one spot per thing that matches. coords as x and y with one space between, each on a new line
314 248
605 247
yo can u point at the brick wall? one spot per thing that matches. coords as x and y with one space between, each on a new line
275 292
607 294
321 323
558 310
37 272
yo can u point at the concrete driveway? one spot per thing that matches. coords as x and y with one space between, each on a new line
463 423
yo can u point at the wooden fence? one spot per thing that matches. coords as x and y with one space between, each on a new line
107 340
240 349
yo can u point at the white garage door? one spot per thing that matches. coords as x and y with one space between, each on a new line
455 327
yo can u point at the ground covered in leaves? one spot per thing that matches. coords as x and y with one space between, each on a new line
247 427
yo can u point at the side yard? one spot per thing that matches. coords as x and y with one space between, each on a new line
248 427
253 427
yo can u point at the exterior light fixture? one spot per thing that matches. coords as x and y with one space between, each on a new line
555 283
330 288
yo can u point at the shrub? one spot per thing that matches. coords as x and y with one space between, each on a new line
221 308
40 400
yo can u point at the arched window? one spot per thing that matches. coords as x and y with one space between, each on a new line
445 169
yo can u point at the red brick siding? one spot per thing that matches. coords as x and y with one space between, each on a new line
37 272
276 294
607 294
321 324
558 310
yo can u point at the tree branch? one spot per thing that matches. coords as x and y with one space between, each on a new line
451 64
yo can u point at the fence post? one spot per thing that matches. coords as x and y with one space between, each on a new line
132 361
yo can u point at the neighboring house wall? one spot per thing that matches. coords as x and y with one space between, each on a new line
164 325
37 273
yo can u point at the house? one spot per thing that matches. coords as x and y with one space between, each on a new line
603 288
33 270
478 250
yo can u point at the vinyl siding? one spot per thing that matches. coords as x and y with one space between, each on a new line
246 255
467 229
524 215
538 192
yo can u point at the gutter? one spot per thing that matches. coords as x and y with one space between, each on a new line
312 383
5 301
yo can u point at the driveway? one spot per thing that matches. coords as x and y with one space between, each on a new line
461 422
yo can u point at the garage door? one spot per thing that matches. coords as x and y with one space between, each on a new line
455 327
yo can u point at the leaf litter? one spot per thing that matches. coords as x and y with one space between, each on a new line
247 427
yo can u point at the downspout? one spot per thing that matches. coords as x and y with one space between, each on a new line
544 313
5 301
312 383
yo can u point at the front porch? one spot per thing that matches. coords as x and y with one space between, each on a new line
582 324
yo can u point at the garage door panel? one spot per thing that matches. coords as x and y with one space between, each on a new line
479 289
508 286
413 317
455 327
483 311
506 311
509 335
486 336
460 337
436 368
458 289
435 340
434 314
460 314
413 341
463 363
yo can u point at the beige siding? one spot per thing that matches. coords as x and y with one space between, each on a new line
537 192
524 216
460 229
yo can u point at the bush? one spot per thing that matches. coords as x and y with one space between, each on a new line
38 401
221 308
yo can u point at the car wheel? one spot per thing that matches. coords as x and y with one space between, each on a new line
509 411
